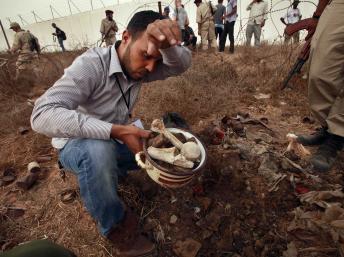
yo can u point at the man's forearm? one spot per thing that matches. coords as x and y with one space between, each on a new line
175 60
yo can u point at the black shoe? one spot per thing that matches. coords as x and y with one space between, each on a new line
316 138
326 155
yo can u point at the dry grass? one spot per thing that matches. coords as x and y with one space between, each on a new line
221 84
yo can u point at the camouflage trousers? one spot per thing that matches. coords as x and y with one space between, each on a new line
326 73
26 66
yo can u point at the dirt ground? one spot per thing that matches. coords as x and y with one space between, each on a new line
252 199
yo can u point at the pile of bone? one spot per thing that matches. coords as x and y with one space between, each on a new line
174 149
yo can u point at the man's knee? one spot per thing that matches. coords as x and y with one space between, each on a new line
81 154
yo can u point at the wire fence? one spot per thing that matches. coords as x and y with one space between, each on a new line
75 8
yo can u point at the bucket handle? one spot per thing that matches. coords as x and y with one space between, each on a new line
139 160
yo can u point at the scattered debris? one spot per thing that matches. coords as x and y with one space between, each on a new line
291 250
41 159
321 198
173 219
269 169
187 248
159 234
23 130
262 96
205 203
298 148
329 223
31 177
12 212
33 167
68 196
8 176
28 181
308 120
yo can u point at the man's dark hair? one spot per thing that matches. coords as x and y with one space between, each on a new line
140 21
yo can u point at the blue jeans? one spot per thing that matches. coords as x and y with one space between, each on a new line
98 164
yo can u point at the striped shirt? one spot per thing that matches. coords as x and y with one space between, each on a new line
86 100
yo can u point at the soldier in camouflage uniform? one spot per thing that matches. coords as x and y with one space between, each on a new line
23 44
108 29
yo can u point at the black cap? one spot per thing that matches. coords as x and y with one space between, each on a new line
108 11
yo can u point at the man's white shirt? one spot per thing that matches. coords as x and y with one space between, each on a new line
292 16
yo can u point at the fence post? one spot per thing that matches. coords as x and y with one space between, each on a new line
3 31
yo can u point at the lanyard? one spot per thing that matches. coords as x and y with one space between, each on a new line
127 103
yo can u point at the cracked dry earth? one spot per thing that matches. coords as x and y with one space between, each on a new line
253 198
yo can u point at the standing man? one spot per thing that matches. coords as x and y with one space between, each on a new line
218 18
293 15
108 29
206 26
258 14
87 113
61 36
181 16
230 18
26 44
326 83
166 13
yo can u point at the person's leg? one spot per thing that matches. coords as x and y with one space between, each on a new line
296 37
204 35
107 41
220 31
97 166
326 80
257 30
249 32
211 35
231 36
286 39
183 34
223 38
326 83
194 41
61 44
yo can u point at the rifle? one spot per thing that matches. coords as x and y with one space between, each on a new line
211 9
106 34
304 54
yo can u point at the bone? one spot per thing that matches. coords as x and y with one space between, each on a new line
170 155
158 126
298 148
190 150
159 141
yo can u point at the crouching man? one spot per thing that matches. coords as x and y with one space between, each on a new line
87 112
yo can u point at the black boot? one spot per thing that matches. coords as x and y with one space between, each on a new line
326 155
316 138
